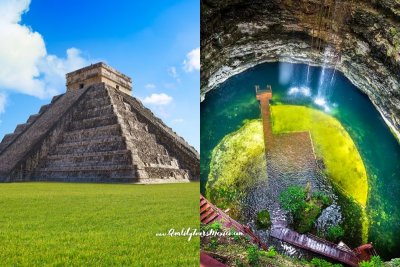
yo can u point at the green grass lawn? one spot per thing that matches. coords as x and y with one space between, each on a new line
69 224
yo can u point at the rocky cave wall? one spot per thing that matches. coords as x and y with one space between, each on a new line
364 36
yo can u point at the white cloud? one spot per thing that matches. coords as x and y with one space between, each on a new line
176 121
192 61
158 99
3 100
25 65
150 86
174 74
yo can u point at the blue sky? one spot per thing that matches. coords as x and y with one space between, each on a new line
154 42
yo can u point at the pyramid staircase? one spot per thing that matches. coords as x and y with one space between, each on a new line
97 135
92 148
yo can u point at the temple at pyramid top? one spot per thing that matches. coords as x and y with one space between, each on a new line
96 132
99 73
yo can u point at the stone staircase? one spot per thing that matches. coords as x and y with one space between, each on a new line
157 161
9 138
92 148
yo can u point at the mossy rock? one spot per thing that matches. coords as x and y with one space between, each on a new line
307 218
263 220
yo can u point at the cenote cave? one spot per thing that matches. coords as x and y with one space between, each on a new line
352 142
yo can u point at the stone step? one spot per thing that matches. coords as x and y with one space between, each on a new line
144 137
55 98
95 102
167 173
107 158
94 112
155 158
92 133
97 93
78 178
21 127
44 108
87 168
7 139
96 145
32 118
148 148
101 174
93 122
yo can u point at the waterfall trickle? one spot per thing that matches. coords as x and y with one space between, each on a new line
325 80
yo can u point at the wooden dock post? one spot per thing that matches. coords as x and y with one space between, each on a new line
264 96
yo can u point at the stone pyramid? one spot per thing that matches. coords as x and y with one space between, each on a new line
96 132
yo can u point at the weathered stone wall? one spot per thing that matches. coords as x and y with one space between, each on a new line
98 73
186 155
30 146
239 34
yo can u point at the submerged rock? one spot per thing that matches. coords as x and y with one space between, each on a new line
329 217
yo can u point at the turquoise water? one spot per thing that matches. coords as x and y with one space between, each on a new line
224 110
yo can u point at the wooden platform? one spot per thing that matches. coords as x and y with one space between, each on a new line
210 213
316 245
208 261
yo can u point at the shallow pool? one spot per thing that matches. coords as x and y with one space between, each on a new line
224 110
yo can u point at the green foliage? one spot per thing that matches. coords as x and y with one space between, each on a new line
393 31
293 200
263 220
396 262
234 234
317 262
321 196
335 233
305 213
216 226
271 253
304 222
239 263
396 42
253 255
69 224
353 216
375 261
213 243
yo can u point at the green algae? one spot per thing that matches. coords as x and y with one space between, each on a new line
238 161
332 143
